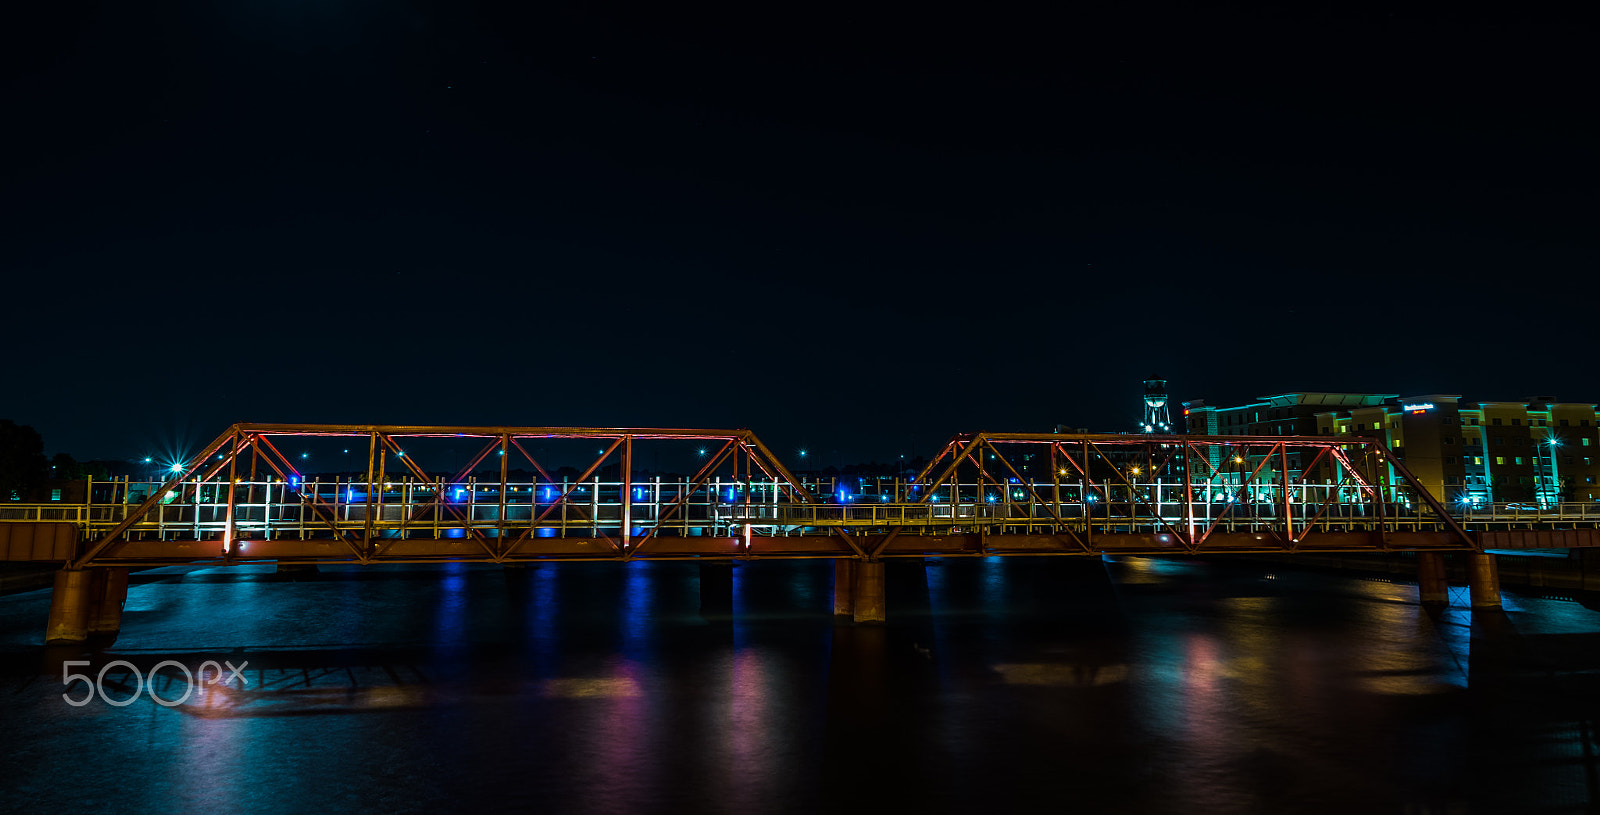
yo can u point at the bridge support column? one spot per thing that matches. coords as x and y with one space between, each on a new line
844 588
1589 562
869 605
69 607
108 591
1484 577
1433 583
716 588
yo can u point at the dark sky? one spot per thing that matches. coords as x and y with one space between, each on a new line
845 229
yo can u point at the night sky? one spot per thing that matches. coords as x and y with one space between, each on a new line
855 231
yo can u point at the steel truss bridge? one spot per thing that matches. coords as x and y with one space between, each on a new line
983 494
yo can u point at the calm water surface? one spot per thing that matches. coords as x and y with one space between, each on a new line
999 685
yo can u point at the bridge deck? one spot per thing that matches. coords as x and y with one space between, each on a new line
240 499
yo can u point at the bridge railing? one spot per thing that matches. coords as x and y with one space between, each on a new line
242 486
410 507
83 514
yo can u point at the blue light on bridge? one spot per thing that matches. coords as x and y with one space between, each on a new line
991 499
294 480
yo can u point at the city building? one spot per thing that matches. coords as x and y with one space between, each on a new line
1286 414
1534 450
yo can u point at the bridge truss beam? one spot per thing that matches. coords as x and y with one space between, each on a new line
365 532
243 499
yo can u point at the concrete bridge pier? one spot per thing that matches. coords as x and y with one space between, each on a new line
716 588
1433 582
69 607
1483 575
108 592
869 602
1589 566
844 588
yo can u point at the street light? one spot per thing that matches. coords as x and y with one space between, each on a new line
1540 492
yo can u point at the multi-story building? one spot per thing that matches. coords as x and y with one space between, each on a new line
1536 450
1287 414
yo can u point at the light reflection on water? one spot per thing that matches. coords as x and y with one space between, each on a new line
1136 686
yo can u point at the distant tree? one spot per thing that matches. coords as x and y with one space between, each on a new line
65 467
102 469
22 463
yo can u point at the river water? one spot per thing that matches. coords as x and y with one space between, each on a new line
1135 685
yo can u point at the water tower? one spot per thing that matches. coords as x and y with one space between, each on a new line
1156 418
